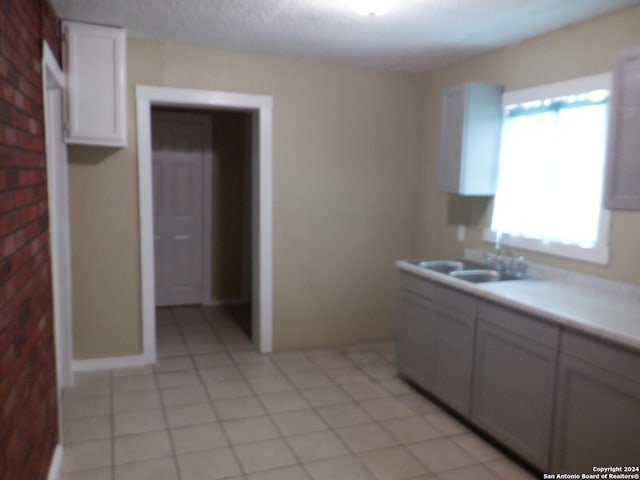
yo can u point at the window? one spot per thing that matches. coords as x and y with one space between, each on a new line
551 170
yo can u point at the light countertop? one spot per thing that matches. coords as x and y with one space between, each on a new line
603 314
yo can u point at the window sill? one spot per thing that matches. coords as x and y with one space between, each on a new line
598 254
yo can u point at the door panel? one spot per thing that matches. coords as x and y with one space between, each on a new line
180 149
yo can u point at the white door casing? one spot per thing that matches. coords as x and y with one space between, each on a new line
53 83
181 189
261 107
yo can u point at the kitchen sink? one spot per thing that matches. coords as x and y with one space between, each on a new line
467 270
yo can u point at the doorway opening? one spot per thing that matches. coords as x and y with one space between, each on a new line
258 111
201 170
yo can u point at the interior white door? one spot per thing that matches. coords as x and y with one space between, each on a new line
181 145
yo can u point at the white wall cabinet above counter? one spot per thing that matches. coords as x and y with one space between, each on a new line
470 129
95 64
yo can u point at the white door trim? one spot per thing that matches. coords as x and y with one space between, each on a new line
207 193
53 83
261 106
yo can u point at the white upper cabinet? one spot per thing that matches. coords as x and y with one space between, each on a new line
95 64
623 154
470 139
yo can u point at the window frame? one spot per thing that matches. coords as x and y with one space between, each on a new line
599 253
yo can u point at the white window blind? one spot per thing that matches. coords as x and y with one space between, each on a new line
551 170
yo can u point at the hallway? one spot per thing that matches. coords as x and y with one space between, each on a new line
214 408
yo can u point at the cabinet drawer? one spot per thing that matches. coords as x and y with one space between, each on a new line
456 301
417 285
521 324
599 352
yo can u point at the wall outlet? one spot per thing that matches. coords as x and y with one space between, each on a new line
462 232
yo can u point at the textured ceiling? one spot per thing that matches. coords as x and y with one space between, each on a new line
416 35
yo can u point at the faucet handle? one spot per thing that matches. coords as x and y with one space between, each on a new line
520 267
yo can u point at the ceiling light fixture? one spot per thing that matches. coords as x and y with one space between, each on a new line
371 7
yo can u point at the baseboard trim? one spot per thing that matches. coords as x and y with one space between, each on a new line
55 468
93 364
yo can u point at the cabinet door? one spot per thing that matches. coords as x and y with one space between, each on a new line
623 155
454 332
451 139
414 338
513 391
597 418
95 62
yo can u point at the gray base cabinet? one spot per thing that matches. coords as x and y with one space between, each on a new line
598 407
453 349
415 338
514 377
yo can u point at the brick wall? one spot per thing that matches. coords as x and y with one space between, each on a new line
28 405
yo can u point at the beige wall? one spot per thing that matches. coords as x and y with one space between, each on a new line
582 50
346 149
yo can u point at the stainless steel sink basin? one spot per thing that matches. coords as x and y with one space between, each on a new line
482 275
442 266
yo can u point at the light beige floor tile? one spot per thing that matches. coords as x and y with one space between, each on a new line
134 383
259 370
91 384
346 467
207 360
299 421
317 446
173 364
159 469
367 436
89 455
364 390
396 386
81 407
205 347
380 371
310 379
362 358
411 429
126 372
418 403
252 429
296 365
223 373
178 378
248 356
136 401
283 401
271 384
266 455
175 396
346 375
98 474
239 408
144 446
192 414
333 360
172 350
198 438
386 407
344 415
208 465
477 447
286 473
227 390
445 423
509 470
392 464
89 428
320 396
477 472
138 422
441 454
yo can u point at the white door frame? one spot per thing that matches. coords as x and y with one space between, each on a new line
261 107
53 84
206 200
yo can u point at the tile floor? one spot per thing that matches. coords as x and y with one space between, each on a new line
214 408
